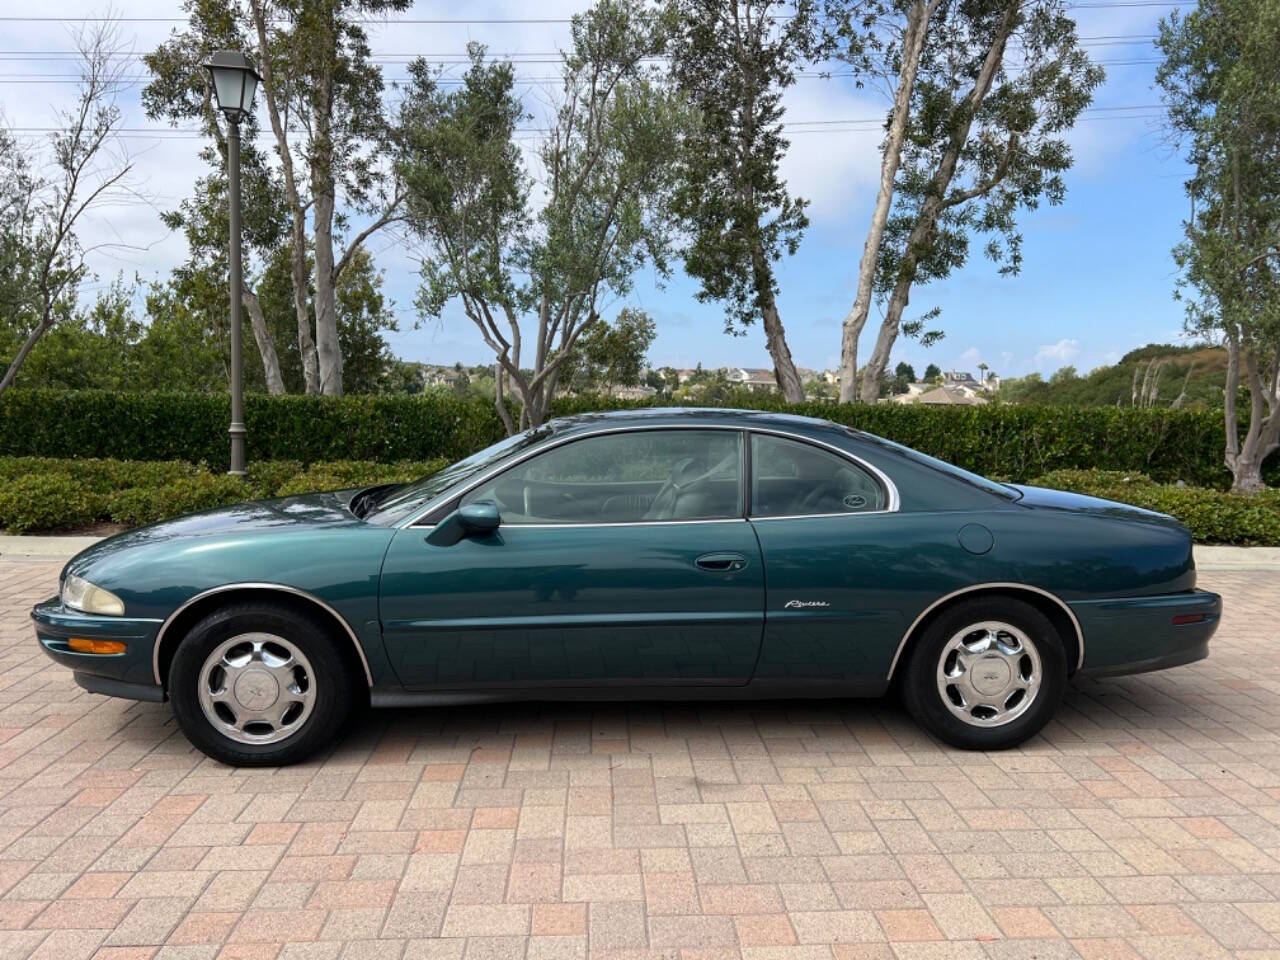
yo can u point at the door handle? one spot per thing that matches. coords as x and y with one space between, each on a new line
721 562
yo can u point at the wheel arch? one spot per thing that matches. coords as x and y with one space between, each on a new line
1051 605
176 625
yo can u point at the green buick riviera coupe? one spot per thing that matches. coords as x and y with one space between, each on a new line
691 554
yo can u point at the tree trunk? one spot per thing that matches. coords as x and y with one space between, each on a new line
500 400
873 374
922 233
1245 458
784 368
918 15
328 349
27 345
298 215
266 346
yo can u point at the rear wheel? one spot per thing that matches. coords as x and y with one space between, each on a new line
986 674
260 685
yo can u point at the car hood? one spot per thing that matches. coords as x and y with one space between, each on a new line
1045 498
277 516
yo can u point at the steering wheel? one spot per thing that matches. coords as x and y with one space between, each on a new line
682 478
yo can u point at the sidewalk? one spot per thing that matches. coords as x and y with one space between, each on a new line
63 548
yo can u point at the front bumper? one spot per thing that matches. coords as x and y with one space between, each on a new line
1124 635
127 674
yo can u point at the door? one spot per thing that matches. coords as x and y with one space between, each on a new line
620 559
829 549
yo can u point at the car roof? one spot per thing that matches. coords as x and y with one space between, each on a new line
709 416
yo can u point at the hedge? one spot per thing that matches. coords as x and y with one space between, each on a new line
38 494
1212 515
1012 442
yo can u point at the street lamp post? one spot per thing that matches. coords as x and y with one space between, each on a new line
234 83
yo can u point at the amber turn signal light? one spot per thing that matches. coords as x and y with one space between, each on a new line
87 645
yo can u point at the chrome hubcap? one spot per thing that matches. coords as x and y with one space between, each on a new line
257 688
989 673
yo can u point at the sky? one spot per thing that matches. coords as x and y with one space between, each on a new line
1097 277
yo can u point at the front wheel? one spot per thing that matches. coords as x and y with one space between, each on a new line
260 685
986 674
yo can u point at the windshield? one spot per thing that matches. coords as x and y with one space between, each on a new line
409 498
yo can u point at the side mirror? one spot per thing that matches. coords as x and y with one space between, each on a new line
473 519
480 517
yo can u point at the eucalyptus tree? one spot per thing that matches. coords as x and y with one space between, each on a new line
323 98
532 256
46 195
1219 83
999 84
904 26
732 60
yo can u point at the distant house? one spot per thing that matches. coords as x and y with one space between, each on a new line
753 378
638 392
684 376
944 396
441 376
959 378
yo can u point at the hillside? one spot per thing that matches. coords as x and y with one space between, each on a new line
1152 376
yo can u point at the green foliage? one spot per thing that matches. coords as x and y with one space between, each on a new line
610 354
193 427
733 61
43 493
341 474
46 501
530 269
1018 442
1218 81
1158 375
1212 515
201 491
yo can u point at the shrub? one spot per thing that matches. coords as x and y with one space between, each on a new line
1213 516
203 491
40 493
1013 441
342 474
46 501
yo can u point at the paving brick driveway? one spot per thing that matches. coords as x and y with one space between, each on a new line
1146 822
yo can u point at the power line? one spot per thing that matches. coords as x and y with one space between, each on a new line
515 56
467 21
846 124
138 80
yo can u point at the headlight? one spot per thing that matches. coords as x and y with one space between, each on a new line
80 594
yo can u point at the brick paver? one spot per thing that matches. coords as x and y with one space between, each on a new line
1145 822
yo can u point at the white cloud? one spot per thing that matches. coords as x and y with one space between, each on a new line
970 358
1056 354
832 170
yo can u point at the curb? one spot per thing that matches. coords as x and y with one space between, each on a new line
43 548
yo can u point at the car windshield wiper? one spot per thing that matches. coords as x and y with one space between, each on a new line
370 497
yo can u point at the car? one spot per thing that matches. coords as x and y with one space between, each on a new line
645 554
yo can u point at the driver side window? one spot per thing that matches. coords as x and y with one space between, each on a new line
630 477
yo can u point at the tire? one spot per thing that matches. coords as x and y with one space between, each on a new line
966 669
259 684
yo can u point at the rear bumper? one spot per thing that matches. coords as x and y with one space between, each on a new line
127 674
1124 635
